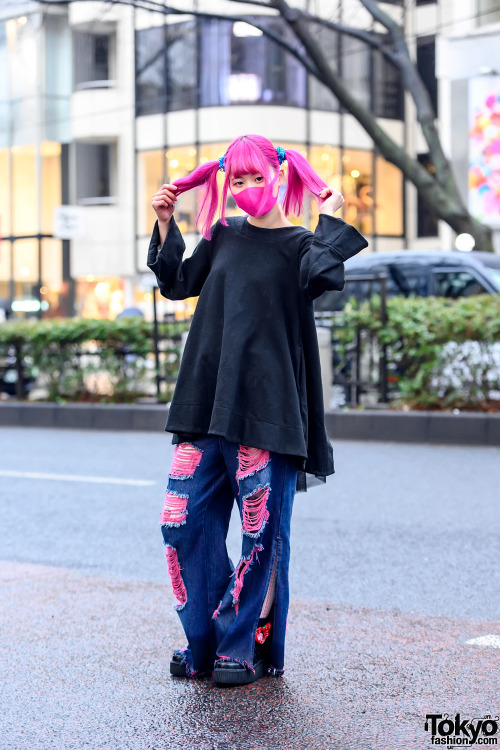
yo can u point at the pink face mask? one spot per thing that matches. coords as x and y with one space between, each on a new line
251 198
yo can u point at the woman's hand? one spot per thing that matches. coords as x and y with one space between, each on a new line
329 200
164 202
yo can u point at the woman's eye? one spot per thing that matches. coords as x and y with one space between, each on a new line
259 179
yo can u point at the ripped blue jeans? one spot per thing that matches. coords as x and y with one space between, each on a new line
219 605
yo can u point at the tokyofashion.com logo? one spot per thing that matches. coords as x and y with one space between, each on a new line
457 732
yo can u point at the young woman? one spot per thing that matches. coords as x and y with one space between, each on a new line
247 412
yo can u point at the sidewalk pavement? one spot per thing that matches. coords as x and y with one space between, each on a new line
86 666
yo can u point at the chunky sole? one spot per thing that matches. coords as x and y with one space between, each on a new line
178 669
244 676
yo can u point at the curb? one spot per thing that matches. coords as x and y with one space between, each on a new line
465 428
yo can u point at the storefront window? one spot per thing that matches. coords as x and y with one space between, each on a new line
99 297
24 190
26 268
389 198
5 269
52 289
51 183
357 189
150 70
150 178
4 193
325 160
180 162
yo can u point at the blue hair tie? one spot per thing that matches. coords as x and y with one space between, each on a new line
221 163
281 154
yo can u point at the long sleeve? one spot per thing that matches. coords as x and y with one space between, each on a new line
177 278
323 254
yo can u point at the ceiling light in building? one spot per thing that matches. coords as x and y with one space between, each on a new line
354 173
173 163
242 28
89 278
25 271
191 151
346 159
244 87
325 157
43 290
22 20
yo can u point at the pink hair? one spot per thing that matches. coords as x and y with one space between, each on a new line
249 154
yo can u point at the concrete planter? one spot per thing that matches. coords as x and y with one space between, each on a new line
476 428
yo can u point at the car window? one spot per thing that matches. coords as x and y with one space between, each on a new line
494 275
455 283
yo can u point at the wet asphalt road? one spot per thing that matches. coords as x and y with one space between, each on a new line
394 567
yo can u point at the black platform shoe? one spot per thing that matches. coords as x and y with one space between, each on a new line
230 672
179 667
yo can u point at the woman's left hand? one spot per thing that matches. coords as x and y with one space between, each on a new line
330 200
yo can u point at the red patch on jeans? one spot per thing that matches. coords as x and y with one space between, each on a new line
262 633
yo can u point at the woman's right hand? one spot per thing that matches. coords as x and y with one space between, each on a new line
164 202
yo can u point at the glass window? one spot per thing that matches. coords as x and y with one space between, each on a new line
320 97
150 70
95 172
92 54
4 192
426 66
357 189
456 284
5 268
22 48
25 268
51 183
356 66
52 289
325 160
150 178
427 219
24 190
240 65
388 199
101 297
180 162
388 95
58 81
182 73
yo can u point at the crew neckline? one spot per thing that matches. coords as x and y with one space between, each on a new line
265 233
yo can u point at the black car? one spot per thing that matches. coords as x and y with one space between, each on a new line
420 273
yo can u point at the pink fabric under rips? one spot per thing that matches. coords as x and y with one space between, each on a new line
255 513
174 570
174 510
250 460
242 568
186 458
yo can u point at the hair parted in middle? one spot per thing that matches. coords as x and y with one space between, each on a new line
249 154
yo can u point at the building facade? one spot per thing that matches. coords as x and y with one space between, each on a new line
101 104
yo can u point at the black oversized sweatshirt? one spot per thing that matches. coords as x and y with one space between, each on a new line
250 369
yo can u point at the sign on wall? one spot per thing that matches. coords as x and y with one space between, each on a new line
68 222
484 149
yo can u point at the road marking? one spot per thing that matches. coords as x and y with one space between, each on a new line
486 640
76 478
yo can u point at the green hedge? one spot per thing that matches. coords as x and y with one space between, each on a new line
116 352
441 352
